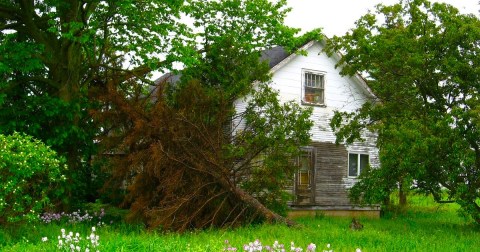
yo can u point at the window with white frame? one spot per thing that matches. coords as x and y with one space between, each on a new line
313 87
357 163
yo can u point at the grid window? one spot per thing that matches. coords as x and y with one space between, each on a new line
357 163
313 88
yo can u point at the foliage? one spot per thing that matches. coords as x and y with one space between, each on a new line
31 176
268 145
193 173
82 68
57 56
425 226
422 64
181 158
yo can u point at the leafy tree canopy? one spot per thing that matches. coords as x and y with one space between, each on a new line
58 57
82 67
191 159
422 63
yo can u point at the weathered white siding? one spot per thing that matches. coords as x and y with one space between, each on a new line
341 93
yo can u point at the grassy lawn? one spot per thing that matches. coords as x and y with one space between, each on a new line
424 226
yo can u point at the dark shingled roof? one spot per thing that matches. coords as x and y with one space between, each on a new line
274 56
169 78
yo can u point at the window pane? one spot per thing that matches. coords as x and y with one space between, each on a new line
318 96
352 164
363 162
313 88
304 163
308 80
303 177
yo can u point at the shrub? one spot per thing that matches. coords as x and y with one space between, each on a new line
30 173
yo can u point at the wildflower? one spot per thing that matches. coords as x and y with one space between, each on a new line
311 247
93 229
328 247
358 250
44 239
257 246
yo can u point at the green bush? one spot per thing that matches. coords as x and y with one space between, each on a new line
30 174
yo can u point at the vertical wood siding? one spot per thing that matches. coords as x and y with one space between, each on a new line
330 170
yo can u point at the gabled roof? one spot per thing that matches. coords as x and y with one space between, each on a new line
337 56
274 56
277 57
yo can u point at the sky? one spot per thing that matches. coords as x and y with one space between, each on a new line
336 17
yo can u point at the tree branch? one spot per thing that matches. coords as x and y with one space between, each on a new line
9 11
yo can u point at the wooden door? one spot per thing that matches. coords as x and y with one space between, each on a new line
305 178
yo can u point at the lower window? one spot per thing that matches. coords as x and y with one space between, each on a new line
356 163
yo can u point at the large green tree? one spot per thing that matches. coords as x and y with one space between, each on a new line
55 55
190 159
58 57
422 62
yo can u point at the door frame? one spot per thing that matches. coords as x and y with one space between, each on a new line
309 153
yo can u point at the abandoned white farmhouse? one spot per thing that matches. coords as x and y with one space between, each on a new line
327 169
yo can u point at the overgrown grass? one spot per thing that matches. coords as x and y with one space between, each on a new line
424 226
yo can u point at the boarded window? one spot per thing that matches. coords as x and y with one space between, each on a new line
313 87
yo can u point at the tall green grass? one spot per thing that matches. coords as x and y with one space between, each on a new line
423 226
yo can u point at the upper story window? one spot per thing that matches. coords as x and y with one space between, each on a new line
313 87
357 163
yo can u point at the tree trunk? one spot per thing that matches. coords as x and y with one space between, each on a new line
269 215
402 195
